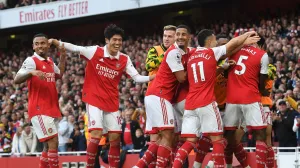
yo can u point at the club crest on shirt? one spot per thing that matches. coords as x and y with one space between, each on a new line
118 65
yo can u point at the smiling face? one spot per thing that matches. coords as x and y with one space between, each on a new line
182 37
114 44
41 46
168 38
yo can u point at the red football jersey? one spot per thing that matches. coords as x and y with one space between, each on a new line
201 69
183 88
243 78
103 73
165 83
42 94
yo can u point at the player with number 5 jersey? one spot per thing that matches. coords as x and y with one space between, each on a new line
201 112
246 84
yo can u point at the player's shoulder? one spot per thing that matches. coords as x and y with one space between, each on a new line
124 56
30 60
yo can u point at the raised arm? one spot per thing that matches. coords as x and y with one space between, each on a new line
60 68
87 52
236 43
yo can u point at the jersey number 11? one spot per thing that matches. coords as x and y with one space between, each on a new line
201 70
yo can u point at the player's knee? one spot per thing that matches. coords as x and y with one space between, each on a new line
261 135
168 134
46 147
53 143
96 133
114 137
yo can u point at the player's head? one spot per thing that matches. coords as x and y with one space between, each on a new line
222 39
40 44
206 38
113 38
169 35
182 36
261 42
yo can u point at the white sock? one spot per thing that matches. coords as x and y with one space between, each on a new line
197 165
228 165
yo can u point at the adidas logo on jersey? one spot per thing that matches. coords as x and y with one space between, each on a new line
101 60
44 67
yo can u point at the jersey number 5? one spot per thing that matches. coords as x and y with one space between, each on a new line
202 76
240 63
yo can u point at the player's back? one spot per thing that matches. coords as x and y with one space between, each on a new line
165 83
243 78
201 68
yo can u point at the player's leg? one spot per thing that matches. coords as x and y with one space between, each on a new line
231 119
212 126
112 123
270 151
190 130
152 105
203 145
166 126
178 140
46 130
44 157
238 150
95 127
256 121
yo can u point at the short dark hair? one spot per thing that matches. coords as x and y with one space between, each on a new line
185 27
202 36
221 36
170 27
261 42
40 35
25 125
112 30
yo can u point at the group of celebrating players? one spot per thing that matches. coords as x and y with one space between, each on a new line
188 87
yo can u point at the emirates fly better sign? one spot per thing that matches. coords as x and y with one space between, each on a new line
63 10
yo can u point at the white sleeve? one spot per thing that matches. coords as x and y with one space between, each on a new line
27 66
130 69
264 64
141 79
295 127
56 69
87 52
219 51
174 61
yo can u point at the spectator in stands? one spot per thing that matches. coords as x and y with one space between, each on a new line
64 132
77 137
28 140
283 121
129 128
16 142
140 139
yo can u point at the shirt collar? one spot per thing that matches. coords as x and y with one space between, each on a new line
180 50
39 57
201 48
106 54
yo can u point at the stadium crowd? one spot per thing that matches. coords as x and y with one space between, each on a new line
283 46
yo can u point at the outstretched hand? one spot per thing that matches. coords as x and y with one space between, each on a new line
251 40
